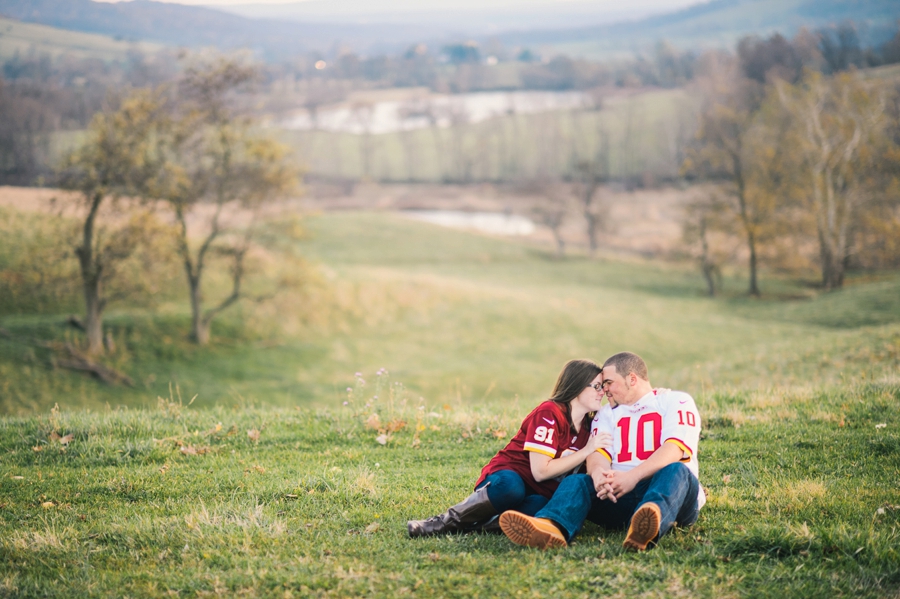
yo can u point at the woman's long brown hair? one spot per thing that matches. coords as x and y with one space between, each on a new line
576 375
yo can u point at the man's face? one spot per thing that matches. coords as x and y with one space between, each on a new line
615 385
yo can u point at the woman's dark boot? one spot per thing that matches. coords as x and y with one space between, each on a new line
474 509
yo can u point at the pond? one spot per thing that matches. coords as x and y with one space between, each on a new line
494 223
431 110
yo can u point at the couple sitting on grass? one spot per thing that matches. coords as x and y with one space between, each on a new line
640 452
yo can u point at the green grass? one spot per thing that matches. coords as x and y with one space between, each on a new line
803 503
24 38
164 497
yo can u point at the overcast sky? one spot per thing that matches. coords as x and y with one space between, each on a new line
419 5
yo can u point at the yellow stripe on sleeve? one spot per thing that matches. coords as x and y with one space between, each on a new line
542 449
684 448
605 453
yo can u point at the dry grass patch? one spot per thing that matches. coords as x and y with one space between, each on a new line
364 482
41 540
801 493
254 518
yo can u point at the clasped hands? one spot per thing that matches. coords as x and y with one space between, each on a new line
612 484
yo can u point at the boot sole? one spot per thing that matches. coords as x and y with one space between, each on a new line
644 527
521 530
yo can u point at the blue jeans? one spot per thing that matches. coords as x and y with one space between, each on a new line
509 492
673 489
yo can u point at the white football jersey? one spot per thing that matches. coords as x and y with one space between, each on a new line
638 430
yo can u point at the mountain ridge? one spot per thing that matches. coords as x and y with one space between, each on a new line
718 23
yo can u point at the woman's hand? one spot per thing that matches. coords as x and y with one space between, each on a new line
598 440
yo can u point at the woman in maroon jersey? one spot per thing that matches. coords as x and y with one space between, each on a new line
553 441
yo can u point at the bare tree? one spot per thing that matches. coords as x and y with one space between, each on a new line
318 94
589 176
363 114
458 117
839 137
411 113
702 217
551 207
722 146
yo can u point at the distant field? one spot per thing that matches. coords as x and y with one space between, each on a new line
24 38
639 133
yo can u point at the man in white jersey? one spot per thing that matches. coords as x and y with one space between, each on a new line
648 480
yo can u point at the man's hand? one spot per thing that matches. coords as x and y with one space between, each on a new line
619 483
601 484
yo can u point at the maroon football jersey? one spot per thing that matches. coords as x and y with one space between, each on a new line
545 430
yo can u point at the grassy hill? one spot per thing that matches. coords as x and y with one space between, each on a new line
196 26
16 36
273 482
461 318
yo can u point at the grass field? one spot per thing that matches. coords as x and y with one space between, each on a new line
268 485
641 131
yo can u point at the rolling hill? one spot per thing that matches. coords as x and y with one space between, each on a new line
719 23
194 26
16 36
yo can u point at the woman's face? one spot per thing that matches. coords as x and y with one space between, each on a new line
591 399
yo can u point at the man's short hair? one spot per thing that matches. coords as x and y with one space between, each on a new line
627 362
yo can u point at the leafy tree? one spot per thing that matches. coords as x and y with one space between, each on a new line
220 175
120 158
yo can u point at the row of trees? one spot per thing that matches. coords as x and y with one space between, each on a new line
801 160
470 66
800 168
185 147
41 96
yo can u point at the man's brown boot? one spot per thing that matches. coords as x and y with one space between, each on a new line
530 531
644 527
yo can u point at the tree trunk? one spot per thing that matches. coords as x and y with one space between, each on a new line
93 320
194 272
754 285
746 222
560 242
199 328
706 264
90 278
591 231
832 264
